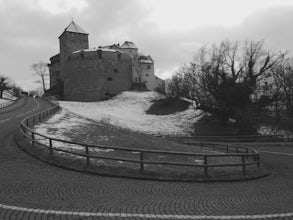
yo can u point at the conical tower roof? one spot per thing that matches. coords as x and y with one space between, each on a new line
128 45
74 28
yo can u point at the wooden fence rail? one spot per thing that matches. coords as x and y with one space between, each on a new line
244 156
6 104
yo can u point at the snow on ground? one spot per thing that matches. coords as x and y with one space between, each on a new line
7 95
7 98
59 124
127 110
267 130
2 101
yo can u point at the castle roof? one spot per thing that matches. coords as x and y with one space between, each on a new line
145 59
113 46
74 28
128 45
95 49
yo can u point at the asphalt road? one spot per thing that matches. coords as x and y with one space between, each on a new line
31 189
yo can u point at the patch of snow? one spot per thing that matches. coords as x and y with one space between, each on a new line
2 101
61 122
58 126
146 61
127 110
7 95
5 102
267 130
95 49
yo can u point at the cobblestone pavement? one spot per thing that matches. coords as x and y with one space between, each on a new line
30 189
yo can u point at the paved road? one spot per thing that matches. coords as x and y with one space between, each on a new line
30 189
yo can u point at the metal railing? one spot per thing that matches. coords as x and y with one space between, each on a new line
243 157
237 139
5 104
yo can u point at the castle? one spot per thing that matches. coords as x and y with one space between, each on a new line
94 74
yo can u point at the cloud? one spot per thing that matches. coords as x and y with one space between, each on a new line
30 30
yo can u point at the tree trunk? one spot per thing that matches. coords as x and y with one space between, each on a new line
44 87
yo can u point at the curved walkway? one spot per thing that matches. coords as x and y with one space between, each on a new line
30 189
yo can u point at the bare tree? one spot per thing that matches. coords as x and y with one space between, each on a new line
283 82
223 78
5 84
15 90
41 70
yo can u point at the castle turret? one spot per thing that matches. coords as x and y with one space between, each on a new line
72 39
131 49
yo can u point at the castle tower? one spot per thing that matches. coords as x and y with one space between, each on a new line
72 39
131 49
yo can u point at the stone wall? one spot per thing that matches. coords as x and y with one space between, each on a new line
133 53
95 75
54 70
148 77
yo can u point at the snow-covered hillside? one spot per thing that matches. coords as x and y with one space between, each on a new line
7 98
127 110
2 101
7 95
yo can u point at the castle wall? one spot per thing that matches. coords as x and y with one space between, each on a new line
148 77
94 75
135 68
54 70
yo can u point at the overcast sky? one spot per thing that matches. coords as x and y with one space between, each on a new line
169 30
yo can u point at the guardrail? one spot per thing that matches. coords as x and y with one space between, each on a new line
5 104
244 157
237 139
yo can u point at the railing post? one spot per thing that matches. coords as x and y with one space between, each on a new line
87 156
243 165
27 122
205 158
51 146
33 138
141 161
39 117
22 129
237 150
227 148
258 162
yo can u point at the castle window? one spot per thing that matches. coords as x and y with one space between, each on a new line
149 67
116 70
147 74
110 79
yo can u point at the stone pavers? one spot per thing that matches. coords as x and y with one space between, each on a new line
30 189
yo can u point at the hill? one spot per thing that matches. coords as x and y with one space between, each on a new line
128 110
